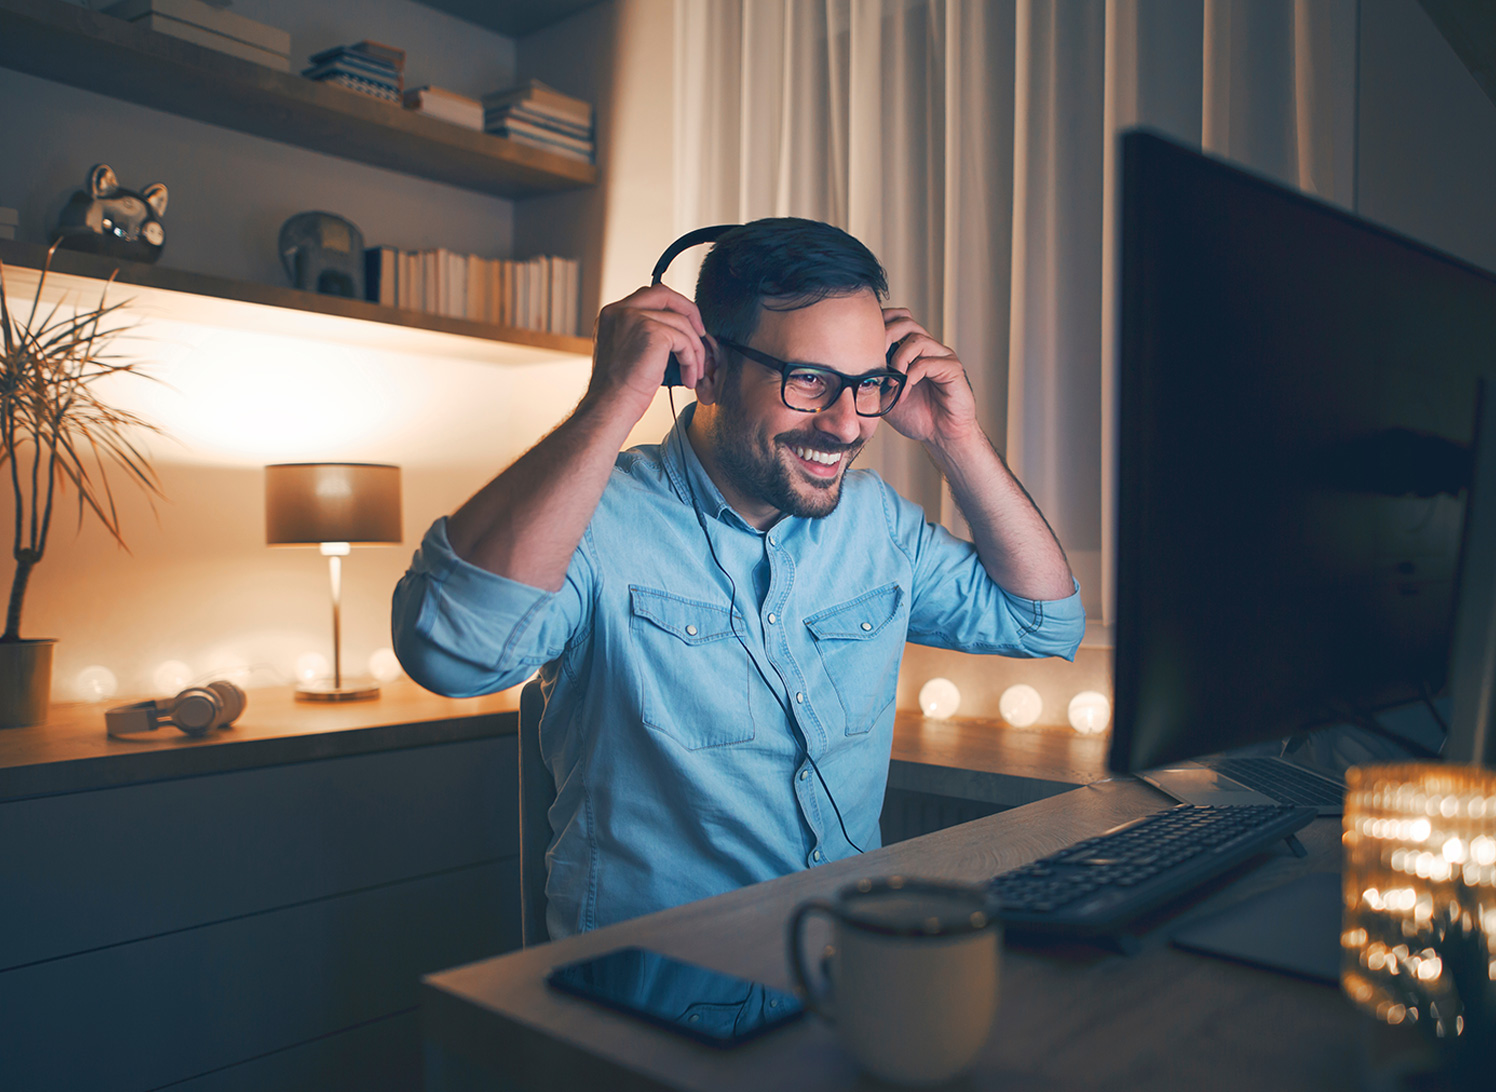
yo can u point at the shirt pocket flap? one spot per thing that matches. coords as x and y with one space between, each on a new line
692 621
860 618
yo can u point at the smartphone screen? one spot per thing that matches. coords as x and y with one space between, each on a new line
709 1006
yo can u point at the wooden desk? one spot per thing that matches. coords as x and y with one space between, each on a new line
1073 1016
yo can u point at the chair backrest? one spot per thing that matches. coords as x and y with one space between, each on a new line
537 792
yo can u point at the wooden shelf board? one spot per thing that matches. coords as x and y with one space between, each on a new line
97 52
220 301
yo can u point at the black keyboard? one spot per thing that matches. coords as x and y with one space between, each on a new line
1096 886
1283 781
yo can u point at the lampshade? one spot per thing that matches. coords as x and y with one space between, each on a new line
1418 942
310 503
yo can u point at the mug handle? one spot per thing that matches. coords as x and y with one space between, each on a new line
817 1003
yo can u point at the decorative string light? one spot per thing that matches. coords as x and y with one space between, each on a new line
939 698
1020 705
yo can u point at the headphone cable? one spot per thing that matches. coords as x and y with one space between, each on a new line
796 732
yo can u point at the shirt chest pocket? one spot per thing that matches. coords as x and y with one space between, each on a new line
861 643
691 671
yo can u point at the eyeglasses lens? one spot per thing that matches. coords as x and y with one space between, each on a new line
811 391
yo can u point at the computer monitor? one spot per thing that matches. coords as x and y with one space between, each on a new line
1296 394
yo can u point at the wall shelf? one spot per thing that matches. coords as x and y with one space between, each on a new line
219 301
97 52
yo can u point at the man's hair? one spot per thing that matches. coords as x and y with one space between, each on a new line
781 264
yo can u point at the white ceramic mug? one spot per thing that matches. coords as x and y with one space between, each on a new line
914 968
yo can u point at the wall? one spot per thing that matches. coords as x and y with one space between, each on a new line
1426 135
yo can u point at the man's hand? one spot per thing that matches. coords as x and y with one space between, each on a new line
937 406
634 339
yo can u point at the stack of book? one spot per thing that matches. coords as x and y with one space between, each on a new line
367 67
535 114
542 293
447 105
211 27
10 219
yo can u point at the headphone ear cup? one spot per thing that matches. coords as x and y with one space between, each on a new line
231 698
195 710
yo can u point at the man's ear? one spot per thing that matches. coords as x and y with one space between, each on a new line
708 387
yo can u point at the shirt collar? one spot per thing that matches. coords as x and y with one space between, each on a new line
687 475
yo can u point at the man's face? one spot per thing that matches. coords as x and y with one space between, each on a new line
772 459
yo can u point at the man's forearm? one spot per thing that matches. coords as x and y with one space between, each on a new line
526 523
1016 545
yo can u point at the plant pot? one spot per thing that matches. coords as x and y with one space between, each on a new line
25 682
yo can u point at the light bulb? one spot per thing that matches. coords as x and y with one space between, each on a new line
384 665
311 666
172 677
1020 705
1090 713
96 683
939 698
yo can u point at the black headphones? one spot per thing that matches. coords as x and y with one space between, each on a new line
685 242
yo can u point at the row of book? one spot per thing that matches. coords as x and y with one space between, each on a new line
541 293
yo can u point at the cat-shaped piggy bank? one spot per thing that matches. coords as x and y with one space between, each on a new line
106 219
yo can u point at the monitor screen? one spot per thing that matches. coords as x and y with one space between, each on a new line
1296 397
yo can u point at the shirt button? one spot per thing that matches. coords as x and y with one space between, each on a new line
773 541
804 774
691 630
771 618
866 626
799 697
816 856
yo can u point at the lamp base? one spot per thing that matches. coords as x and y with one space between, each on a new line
324 690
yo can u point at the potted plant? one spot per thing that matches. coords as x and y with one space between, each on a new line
57 434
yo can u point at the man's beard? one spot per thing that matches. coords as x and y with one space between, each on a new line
751 461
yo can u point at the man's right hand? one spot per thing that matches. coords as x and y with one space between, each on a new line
633 341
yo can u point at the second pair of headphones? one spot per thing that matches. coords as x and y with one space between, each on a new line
197 711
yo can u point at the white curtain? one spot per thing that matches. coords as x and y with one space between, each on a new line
970 144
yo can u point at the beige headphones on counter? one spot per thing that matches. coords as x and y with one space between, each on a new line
197 711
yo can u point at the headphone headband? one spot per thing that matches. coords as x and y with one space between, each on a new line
686 242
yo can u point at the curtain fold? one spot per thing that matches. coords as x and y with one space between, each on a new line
971 145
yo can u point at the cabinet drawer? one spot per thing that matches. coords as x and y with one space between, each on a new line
86 870
141 1015
382 1056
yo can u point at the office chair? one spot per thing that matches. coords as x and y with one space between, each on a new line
537 792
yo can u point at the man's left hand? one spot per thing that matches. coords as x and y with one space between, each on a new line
937 405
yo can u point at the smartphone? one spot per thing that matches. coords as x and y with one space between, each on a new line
718 1009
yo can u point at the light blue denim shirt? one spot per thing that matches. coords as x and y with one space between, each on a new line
678 772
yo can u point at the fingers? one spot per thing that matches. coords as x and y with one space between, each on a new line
661 297
642 330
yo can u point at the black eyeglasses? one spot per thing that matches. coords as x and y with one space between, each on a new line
810 388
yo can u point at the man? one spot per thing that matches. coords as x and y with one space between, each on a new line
718 620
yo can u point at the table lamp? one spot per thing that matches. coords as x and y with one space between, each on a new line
333 506
1418 939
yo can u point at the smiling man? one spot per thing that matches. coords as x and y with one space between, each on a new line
718 619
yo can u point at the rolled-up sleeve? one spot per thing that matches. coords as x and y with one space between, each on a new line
955 604
460 630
